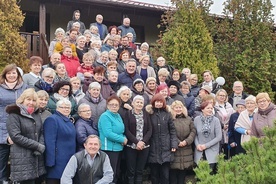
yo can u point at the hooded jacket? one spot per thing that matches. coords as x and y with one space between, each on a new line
70 24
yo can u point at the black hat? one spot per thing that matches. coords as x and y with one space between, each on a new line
174 83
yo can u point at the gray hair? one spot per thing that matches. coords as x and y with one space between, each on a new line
48 72
123 88
138 97
94 85
82 105
161 58
186 83
145 44
63 101
76 23
163 71
250 98
91 137
81 37
59 30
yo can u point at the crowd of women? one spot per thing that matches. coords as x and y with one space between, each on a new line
165 119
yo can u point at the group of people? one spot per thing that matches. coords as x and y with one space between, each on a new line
78 118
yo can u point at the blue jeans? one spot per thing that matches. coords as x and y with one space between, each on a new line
4 158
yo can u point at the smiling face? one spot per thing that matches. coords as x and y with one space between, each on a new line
64 109
221 97
92 146
60 69
113 105
11 76
29 102
164 92
178 109
131 67
41 102
151 85
64 91
158 104
76 84
99 77
95 92
263 103
125 95
85 112
185 89
36 68
88 61
250 105
138 104
208 110
81 43
207 77
67 52
173 89
139 86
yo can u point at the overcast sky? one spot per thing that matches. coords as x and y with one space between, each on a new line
215 8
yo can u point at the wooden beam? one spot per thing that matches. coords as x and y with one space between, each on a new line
42 24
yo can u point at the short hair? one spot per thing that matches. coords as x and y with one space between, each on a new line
143 57
87 31
209 97
7 69
73 29
74 79
138 97
99 69
123 88
59 30
237 82
92 137
186 69
177 102
161 87
176 70
113 71
104 53
111 63
76 23
58 63
80 37
35 59
203 105
223 91
42 94
144 44
123 52
27 93
129 34
48 72
94 85
111 27
192 76
94 27
55 53
66 47
88 55
158 97
250 98
185 83
113 51
113 97
208 71
63 101
82 105
163 71
263 95
60 84
161 58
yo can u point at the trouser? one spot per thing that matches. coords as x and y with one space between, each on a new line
213 166
177 176
52 181
136 161
160 173
4 158
27 182
115 159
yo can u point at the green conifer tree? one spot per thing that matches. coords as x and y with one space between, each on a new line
12 46
186 41
256 167
245 44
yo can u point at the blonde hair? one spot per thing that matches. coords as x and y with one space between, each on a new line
226 95
164 72
74 79
27 93
42 94
178 103
263 95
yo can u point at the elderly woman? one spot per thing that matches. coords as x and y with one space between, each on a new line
42 100
95 100
112 56
185 89
163 76
174 87
138 89
102 60
186 72
85 70
145 51
164 91
62 89
88 36
208 136
138 131
224 110
71 62
81 47
60 140
161 63
124 94
163 142
264 117
150 87
123 59
193 79
11 87
61 74
178 76
47 81
243 125
76 89
35 65
185 132
113 80
144 70
59 34
27 143
111 130
85 125
112 31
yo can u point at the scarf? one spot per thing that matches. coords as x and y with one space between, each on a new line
270 107
206 125
46 86
59 97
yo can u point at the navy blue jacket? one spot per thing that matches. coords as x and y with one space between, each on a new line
125 79
190 104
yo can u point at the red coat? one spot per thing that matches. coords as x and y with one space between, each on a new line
71 65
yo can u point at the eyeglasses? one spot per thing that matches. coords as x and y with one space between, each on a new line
66 108
64 89
86 111
222 95
49 77
262 101
114 105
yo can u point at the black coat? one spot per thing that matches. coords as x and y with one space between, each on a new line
163 135
27 161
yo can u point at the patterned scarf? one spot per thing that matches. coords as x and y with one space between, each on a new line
206 125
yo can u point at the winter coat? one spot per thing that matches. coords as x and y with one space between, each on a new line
60 142
97 108
26 154
52 106
130 128
71 65
7 97
163 137
178 97
127 29
111 130
104 29
212 142
59 48
79 94
262 119
70 24
125 79
185 130
231 97
84 128
194 90
190 104
142 93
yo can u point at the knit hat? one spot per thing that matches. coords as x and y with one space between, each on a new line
241 102
174 83
137 81
150 79
207 89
